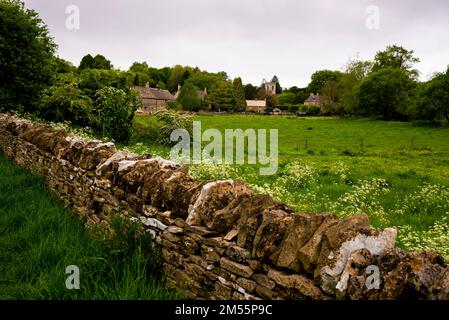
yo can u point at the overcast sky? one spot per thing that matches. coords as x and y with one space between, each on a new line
253 39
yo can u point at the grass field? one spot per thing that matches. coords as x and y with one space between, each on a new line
396 172
39 238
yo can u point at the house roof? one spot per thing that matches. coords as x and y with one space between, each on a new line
256 103
313 98
154 93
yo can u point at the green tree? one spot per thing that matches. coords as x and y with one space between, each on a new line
26 56
433 101
204 79
160 76
396 57
319 78
141 73
261 93
86 62
388 93
178 75
63 66
356 70
113 112
220 97
286 98
330 91
239 94
301 94
272 101
97 62
188 97
92 80
250 91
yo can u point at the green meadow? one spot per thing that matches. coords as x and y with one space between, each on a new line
395 172
40 237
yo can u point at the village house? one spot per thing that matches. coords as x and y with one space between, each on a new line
313 100
258 106
153 99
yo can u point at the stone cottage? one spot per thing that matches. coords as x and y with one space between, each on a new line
313 100
258 106
153 99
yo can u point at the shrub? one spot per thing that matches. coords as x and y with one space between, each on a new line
171 121
64 101
312 110
113 112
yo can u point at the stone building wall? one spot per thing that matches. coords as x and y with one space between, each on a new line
218 239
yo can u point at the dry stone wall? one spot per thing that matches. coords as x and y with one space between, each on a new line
217 239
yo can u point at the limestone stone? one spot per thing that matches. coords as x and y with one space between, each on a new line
266 293
223 290
231 235
270 234
210 255
171 257
297 235
263 280
236 268
214 196
172 237
304 285
216 242
309 253
175 230
248 285
251 212
238 254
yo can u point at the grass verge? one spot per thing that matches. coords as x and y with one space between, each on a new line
40 237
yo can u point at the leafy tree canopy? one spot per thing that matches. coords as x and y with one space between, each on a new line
396 57
433 101
188 97
239 94
250 91
319 78
388 93
221 97
97 62
26 56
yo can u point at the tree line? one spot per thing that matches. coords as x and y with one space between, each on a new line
34 80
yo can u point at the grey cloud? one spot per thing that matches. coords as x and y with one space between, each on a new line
249 38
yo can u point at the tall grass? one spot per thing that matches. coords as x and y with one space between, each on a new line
39 238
